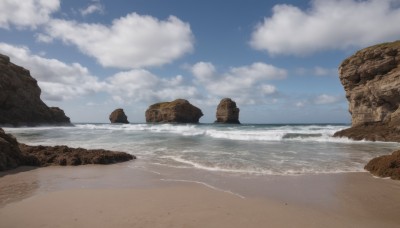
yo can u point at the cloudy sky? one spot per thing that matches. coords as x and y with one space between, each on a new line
277 59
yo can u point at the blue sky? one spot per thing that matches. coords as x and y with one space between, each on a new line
277 59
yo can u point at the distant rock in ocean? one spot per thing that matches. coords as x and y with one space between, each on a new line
371 79
177 111
227 112
20 102
118 116
13 154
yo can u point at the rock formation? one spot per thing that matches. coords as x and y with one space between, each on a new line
386 166
20 102
118 116
13 154
177 111
371 79
227 112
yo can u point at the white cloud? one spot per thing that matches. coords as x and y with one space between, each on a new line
58 80
133 41
327 25
95 7
326 99
317 71
246 84
140 85
27 13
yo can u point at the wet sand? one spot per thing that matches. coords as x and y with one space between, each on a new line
122 196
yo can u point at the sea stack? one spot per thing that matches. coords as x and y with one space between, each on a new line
371 79
177 111
20 102
227 112
118 116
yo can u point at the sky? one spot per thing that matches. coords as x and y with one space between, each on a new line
277 59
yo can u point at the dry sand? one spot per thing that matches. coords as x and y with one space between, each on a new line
117 196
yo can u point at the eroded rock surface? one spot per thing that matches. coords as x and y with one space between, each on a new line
177 111
118 116
227 112
13 154
386 166
20 102
371 79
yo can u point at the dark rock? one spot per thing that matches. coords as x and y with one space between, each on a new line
386 166
13 154
63 155
371 79
227 112
178 111
10 155
20 102
118 116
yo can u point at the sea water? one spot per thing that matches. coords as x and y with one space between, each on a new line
247 149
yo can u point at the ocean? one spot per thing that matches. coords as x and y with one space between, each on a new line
246 149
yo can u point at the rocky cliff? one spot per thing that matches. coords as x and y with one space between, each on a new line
177 111
118 116
227 112
20 102
371 79
14 154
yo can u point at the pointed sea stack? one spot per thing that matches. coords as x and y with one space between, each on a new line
118 116
20 102
177 111
371 79
227 112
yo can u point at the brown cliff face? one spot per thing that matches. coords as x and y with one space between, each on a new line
227 112
371 79
118 116
20 102
177 111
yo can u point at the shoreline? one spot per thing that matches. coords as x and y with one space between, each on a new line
128 195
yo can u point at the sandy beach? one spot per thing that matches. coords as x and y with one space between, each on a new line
122 196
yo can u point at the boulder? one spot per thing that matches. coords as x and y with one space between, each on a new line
227 112
20 102
371 80
14 154
118 116
386 166
10 155
177 111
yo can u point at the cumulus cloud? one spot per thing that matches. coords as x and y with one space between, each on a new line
327 25
95 7
326 99
27 13
133 41
58 80
246 84
140 85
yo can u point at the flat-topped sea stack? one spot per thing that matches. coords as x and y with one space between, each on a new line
118 116
227 112
371 79
177 111
20 102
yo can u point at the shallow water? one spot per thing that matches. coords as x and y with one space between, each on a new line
249 149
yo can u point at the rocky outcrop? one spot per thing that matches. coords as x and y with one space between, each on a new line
118 116
386 166
63 155
20 102
371 79
13 154
177 111
227 112
10 155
